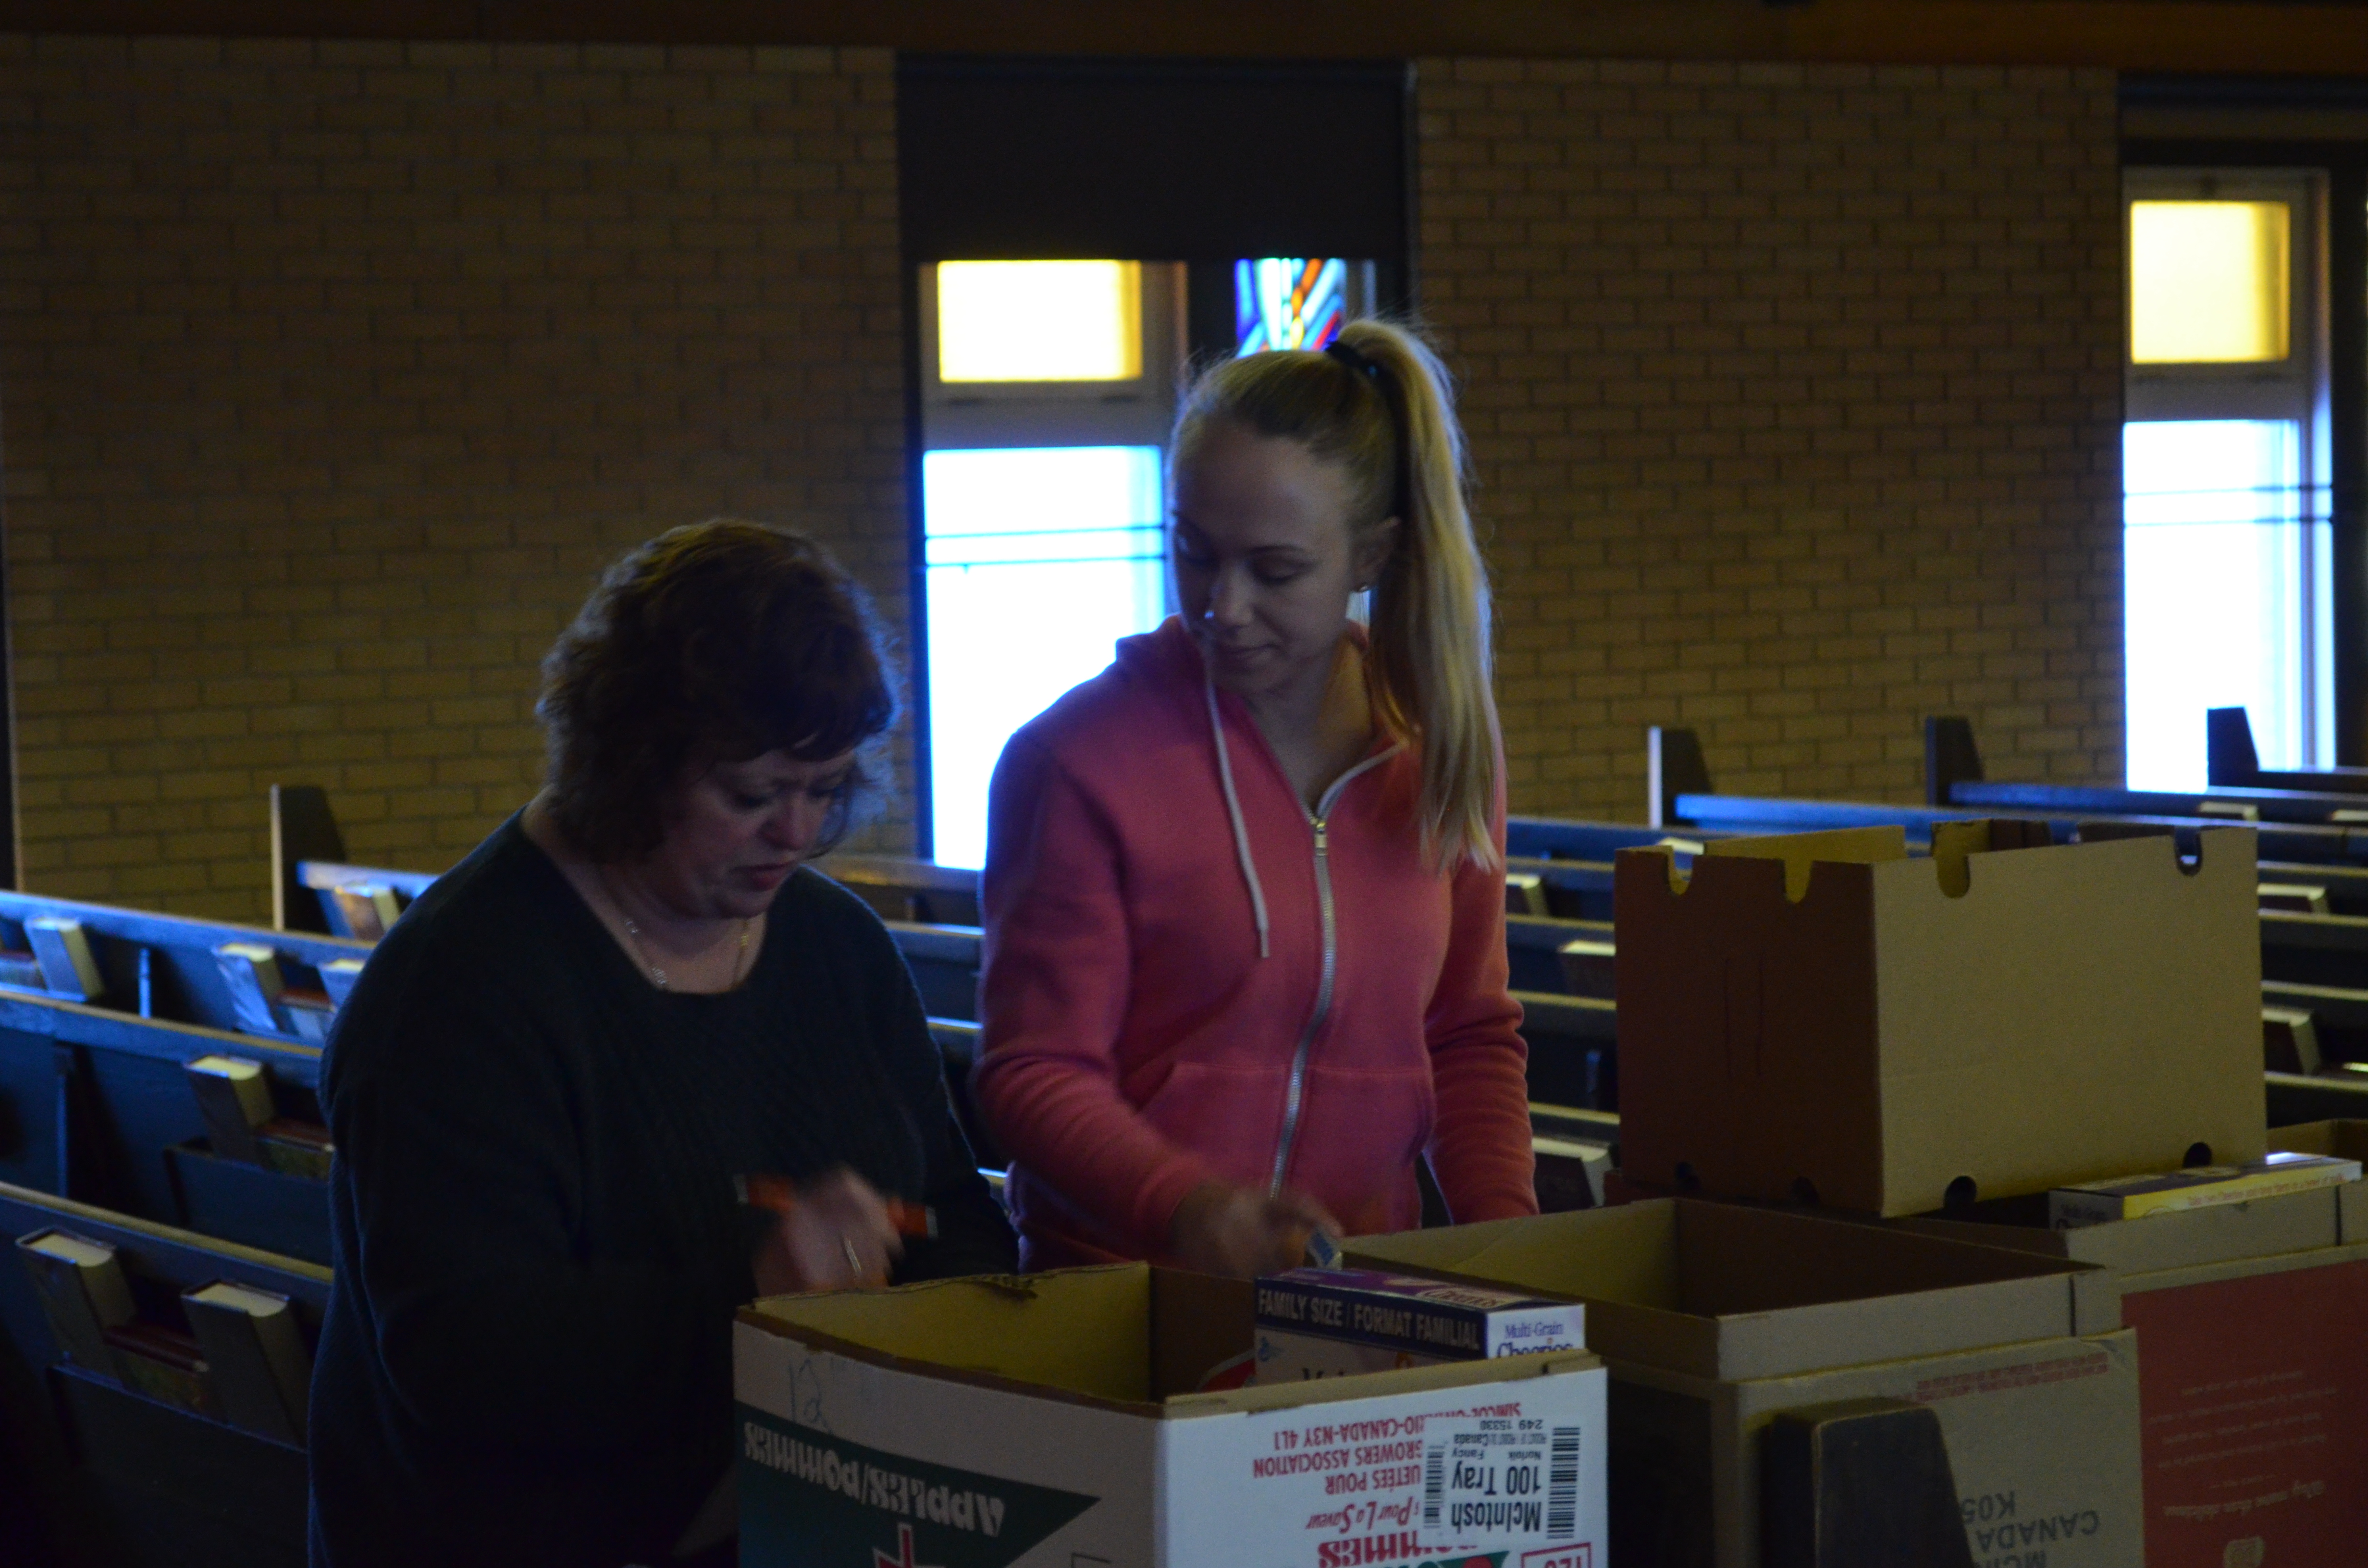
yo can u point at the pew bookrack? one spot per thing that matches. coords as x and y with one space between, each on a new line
114 1476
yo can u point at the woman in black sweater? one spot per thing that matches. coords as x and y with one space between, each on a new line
564 1057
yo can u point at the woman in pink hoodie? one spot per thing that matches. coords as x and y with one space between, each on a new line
1244 890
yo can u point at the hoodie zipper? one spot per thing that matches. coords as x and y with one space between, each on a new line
1295 1092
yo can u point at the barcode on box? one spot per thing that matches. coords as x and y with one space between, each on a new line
1434 1485
1562 1483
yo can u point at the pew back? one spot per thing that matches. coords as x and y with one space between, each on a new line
126 1478
162 966
101 1109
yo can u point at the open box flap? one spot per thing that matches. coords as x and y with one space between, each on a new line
1127 1336
1801 851
1726 1291
2182 1238
1079 1333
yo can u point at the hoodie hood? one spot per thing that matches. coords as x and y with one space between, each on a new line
1171 657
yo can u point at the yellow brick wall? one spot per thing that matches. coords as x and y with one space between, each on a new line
332 372
1793 395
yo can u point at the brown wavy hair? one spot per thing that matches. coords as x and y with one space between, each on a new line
716 642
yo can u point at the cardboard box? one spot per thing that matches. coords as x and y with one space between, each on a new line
2253 1388
1713 1318
1076 1418
1818 1017
2348 1139
2186 1238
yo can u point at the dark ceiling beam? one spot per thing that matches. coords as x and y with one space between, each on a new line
2319 37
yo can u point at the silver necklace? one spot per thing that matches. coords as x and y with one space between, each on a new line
641 952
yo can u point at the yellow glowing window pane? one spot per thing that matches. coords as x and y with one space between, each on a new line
2208 281
1040 321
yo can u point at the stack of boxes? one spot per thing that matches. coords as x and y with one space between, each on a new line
1819 1020
1848 1331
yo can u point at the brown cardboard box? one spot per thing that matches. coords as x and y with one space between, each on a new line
1714 1317
1816 1016
2252 1391
2347 1140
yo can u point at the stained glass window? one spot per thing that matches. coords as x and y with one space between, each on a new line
1289 301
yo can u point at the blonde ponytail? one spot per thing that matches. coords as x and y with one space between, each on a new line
1378 403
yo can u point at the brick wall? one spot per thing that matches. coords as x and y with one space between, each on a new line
1793 395
333 372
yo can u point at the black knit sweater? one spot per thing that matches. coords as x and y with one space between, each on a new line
526 1355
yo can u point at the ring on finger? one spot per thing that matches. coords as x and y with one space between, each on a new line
854 1261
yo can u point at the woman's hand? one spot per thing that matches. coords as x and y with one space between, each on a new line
1241 1232
835 1235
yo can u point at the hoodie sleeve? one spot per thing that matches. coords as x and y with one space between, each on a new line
1480 1147
1053 995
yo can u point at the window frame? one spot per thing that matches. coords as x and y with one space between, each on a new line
2291 388
962 415
2342 167
1132 412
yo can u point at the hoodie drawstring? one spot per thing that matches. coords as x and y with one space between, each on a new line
1233 807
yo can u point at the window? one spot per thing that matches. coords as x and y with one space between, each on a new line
2208 282
1045 407
1048 388
2226 542
1038 559
1039 321
1290 302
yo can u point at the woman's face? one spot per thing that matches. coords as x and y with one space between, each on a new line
1264 563
736 831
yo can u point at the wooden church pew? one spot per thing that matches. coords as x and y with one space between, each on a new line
2294 827
1573 1059
1566 890
901 889
2235 785
99 1108
165 966
2231 761
124 1479
2294 1099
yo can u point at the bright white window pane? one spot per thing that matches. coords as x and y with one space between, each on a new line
1040 321
2226 590
2208 281
1038 560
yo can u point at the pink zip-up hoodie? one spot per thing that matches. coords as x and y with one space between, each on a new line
1186 978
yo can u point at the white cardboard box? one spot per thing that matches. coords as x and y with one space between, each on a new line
1053 1422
